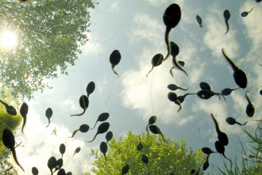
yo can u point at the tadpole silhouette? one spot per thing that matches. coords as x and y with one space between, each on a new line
62 149
227 17
114 59
182 63
139 147
61 172
9 109
59 164
173 97
232 121
77 150
35 171
180 99
207 150
174 52
239 75
222 137
207 94
103 148
102 128
51 163
151 121
221 149
155 130
199 20
174 87
9 142
109 136
206 164
250 109
48 114
83 102
204 86
171 18
156 61
101 118
227 91
90 88
83 128
245 13
125 169
23 112
145 160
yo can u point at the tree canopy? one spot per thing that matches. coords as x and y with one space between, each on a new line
50 34
163 158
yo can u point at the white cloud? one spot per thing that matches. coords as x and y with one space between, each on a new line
156 2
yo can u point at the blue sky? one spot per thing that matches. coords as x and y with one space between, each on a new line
136 29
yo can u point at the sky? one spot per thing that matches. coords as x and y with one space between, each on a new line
136 29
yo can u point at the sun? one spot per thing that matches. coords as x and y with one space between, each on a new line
8 39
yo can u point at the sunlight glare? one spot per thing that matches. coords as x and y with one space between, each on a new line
8 39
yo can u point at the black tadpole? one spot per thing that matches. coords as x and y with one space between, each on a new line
90 88
102 128
174 87
51 163
155 130
245 13
77 150
103 148
151 121
250 109
114 59
232 121
109 136
145 160
239 75
83 102
171 18
34 171
221 149
227 17
101 118
125 169
23 112
174 52
222 137
156 61
62 149
199 20
9 109
83 128
48 114
228 91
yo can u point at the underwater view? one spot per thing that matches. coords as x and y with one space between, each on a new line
135 87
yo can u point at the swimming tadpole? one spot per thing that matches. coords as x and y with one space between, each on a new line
151 121
114 59
9 109
102 128
62 149
90 88
77 150
101 118
23 112
51 163
156 61
227 17
59 164
61 172
9 142
171 18
232 121
228 91
174 87
83 128
83 102
155 130
245 13
221 149
145 160
48 114
239 75
199 20
250 109
35 171
222 137
204 86
125 169
103 148
109 136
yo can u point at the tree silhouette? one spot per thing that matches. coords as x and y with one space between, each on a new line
50 35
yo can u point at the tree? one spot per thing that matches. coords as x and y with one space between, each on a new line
163 158
50 35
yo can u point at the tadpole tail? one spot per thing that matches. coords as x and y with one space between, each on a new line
147 129
180 107
48 123
15 158
216 124
227 24
94 126
178 66
183 89
74 133
234 67
241 123
248 99
114 70
167 43
92 139
227 159
23 126
105 157
150 71
171 71
77 114
163 137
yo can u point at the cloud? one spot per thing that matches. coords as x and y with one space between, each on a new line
156 2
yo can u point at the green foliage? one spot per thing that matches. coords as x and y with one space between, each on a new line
251 162
50 35
163 157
